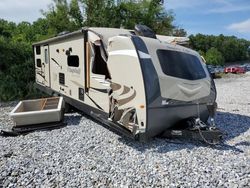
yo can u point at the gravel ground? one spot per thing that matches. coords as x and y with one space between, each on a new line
85 154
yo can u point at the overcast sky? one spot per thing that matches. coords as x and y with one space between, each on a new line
22 10
229 17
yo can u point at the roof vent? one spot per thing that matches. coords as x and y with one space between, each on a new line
145 31
62 33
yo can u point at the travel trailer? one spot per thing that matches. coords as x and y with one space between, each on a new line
132 80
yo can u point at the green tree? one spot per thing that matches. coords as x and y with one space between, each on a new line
248 52
214 57
41 30
23 32
99 13
16 69
202 53
179 32
231 48
126 14
149 13
75 14
62 17
6 28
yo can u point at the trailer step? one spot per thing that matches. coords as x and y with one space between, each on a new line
16 131
112 125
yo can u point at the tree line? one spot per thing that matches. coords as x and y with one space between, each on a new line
220 50
16 57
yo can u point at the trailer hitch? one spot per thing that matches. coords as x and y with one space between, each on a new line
196 130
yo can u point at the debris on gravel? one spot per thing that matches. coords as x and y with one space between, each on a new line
85 154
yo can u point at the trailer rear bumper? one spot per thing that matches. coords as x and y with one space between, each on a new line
163 118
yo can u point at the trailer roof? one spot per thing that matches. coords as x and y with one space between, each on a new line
58 38
102 32
106 33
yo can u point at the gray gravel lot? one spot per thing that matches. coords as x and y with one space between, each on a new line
85 154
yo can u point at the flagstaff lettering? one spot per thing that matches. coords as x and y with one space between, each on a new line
74 70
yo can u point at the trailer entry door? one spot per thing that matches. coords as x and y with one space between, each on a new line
96 75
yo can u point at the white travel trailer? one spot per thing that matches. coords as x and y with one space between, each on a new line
131 80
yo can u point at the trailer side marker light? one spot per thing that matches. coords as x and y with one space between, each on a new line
142 106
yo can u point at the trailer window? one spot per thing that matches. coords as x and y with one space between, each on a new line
46 56
73 61
181 65
38 50
38 63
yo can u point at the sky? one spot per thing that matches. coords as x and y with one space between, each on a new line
228 17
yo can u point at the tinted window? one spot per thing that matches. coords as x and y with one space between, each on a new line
181 65
38 63
38 50
73 61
